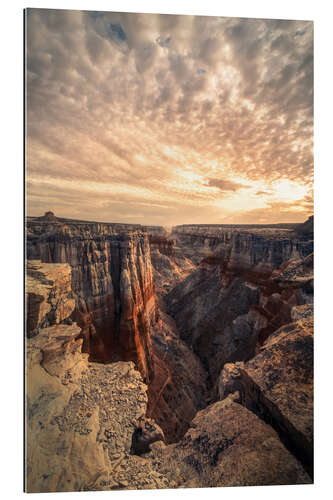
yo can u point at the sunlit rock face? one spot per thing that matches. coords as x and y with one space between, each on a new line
112 280
112 277
81 417
49 296
170 266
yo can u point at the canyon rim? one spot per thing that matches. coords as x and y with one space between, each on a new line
168 251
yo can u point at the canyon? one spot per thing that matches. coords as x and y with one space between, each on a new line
166 359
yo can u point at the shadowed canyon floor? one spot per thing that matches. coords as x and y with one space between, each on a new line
165 360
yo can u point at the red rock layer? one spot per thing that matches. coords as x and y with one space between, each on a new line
242 291
112 280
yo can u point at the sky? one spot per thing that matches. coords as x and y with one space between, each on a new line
165 120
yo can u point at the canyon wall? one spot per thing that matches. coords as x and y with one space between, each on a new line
239 247
87 427
242 289
179 387
112 282
82 418
112 278
277 384
223 344
170 266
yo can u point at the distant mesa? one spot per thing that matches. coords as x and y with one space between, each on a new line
48 217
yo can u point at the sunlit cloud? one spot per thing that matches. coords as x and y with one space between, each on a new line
169 119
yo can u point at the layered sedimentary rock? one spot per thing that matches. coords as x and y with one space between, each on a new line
179 387
305 230
112 281
169 263
258 247
49 296
228 375
85 422
277 384
240 292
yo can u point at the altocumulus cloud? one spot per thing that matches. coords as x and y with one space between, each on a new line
163 119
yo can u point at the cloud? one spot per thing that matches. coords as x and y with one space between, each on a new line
169 106
225 185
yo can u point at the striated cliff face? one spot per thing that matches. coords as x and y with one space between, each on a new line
112 277
82 418
277 384
240 292
112 280
179 387
241 247
170 266
219 322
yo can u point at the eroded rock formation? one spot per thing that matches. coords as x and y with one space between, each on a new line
242 290
228 445
277 384
219 324
112 281
49 296
170 266
81 418
179 387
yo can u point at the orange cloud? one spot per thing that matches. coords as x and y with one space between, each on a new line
195 119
